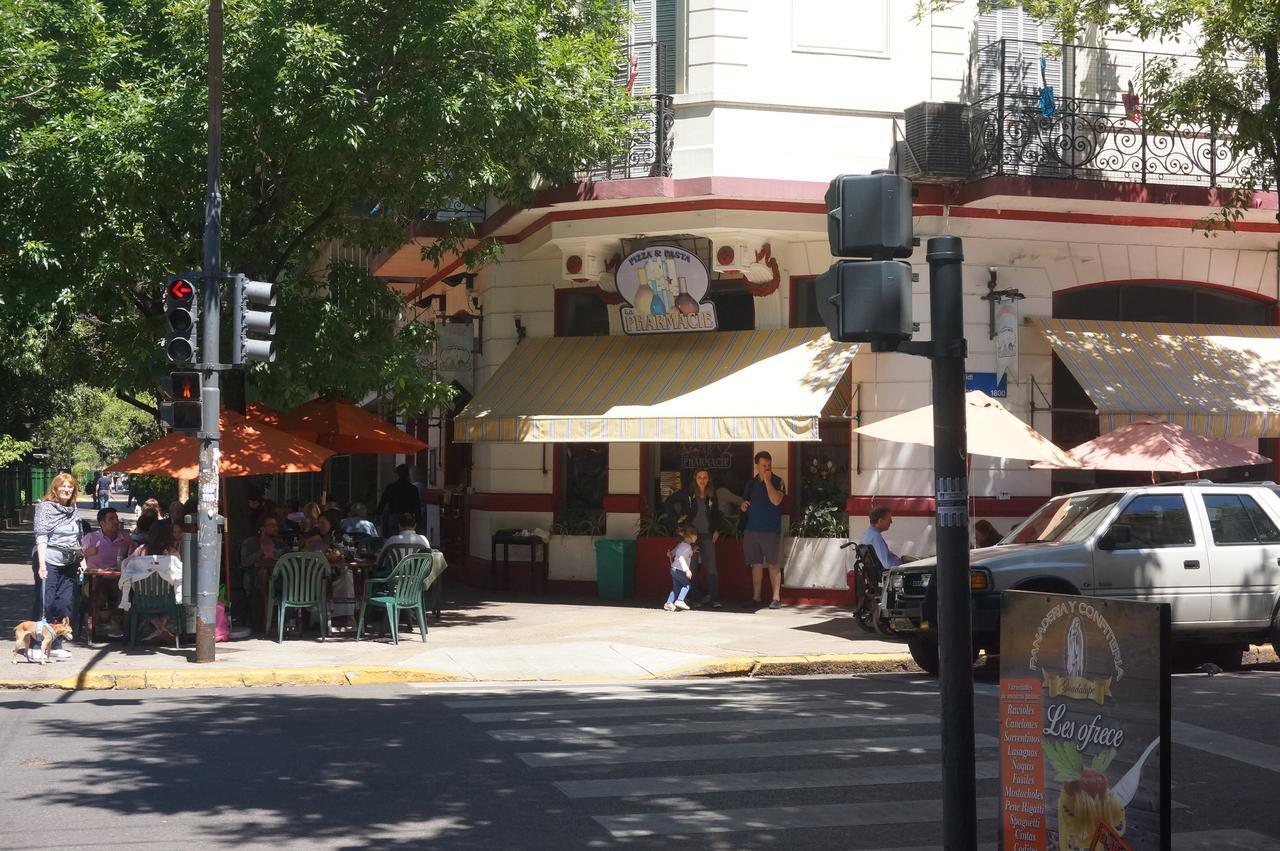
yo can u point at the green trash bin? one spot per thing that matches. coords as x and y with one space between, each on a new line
615 569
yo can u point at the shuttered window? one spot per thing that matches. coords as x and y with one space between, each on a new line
653 45
1023 39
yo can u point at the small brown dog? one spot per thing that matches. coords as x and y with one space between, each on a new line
25 633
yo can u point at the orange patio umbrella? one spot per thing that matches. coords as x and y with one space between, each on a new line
347 428
261 413
248 448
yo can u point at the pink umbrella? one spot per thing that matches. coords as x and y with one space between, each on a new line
1156 446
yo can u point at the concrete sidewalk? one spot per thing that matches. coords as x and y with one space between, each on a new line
478 638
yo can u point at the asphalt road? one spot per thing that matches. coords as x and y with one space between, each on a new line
848 763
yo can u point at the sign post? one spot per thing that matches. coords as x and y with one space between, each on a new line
1084 723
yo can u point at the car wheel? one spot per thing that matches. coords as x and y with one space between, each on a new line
924 652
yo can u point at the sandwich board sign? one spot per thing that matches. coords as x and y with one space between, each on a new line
1084 723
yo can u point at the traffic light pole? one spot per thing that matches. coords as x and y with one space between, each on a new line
959 797
208 540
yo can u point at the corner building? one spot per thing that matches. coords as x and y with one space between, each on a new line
1113 308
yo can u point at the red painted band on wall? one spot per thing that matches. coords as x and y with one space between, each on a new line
623 503
543 502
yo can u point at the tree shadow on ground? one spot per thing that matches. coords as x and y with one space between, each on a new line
344 772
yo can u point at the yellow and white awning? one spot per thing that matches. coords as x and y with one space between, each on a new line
715 387
1219 380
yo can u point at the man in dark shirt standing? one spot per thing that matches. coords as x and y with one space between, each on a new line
762 532
399 497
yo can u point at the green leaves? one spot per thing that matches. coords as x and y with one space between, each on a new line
1102 761
1067 762
329 108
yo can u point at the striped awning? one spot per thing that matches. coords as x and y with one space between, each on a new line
1218 380
714 386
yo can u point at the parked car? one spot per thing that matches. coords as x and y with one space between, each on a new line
1211 551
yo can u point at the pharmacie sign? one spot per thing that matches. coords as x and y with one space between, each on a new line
1084 723
664 287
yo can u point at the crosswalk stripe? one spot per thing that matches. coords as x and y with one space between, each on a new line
810 721
824 778
780 818
744 750
1257 754
589 712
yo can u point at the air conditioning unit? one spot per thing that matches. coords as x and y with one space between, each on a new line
937 142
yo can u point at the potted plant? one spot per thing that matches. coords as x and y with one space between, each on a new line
814 556
571 550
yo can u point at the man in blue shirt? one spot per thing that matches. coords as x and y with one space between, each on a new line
881 519
762 531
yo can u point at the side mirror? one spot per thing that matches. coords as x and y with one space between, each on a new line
1118 535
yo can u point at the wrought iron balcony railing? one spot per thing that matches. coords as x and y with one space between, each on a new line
1093 130
644 72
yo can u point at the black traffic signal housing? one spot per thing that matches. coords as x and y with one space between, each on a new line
246 297
868 300
181 339
183 407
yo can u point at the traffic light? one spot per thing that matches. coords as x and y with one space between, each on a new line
868 300
247 295
182 410
180 332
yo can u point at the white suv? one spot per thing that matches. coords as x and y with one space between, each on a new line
1211 551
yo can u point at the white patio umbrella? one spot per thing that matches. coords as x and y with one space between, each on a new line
991 430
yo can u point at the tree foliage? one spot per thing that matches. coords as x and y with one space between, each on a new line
332 108
90 428
1231 84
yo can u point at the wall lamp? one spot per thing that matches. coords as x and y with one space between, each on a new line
467 278
521 331
425 303
993 295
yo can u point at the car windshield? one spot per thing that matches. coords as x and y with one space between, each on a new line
1066 518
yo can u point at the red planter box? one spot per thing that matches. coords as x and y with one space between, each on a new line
653 568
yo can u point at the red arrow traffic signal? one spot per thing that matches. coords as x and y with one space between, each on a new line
181 289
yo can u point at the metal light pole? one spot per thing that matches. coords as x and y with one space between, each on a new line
959 798
208 540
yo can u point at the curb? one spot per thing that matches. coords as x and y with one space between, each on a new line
743 666
242 678
793 666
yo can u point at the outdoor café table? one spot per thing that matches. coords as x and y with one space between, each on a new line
360 568
89 576
507 538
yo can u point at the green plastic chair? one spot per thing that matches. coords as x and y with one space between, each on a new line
300 581
403 590
153 595
390 557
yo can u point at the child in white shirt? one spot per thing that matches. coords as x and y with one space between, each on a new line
681 572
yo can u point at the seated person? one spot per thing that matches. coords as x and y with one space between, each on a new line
142 526
357 523
105 549
985 535
881 519
160 542
258 555
294 516
342 594
407 534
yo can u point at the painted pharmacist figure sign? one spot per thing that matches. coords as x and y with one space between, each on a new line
664 287
1084 723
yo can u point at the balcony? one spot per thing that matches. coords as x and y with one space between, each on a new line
644 71
1095 131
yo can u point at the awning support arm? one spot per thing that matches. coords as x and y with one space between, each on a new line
857 418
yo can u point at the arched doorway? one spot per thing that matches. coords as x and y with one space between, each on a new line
1074 418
